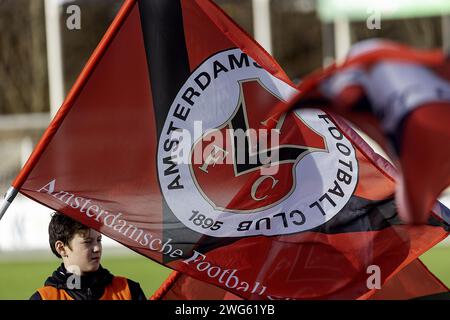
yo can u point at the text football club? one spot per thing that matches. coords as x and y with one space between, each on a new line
223 173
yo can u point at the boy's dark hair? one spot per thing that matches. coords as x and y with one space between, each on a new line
63 228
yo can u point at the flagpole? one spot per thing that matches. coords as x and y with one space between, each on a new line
54 55
9 198
261 24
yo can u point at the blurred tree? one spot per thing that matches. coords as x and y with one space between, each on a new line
296 36
240 11
422 33
78 45
23 68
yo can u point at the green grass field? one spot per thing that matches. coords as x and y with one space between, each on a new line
20 278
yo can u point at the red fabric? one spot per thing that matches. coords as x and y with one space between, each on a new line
318 266
422 132
413 281
425 160
179 286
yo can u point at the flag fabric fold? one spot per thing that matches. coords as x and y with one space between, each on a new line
414 281
162 145
400 96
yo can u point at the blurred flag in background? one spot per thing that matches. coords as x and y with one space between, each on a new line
400 96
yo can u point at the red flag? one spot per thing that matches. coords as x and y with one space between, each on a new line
179 286
301 212
414 281
401 98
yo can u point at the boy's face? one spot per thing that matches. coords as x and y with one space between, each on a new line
84 252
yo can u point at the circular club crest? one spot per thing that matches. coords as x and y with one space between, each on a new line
223 174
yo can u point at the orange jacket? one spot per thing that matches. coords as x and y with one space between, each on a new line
118 289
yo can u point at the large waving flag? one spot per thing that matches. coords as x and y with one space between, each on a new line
161 145
401 97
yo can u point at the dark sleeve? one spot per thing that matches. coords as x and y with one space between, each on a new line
36 296
136 291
